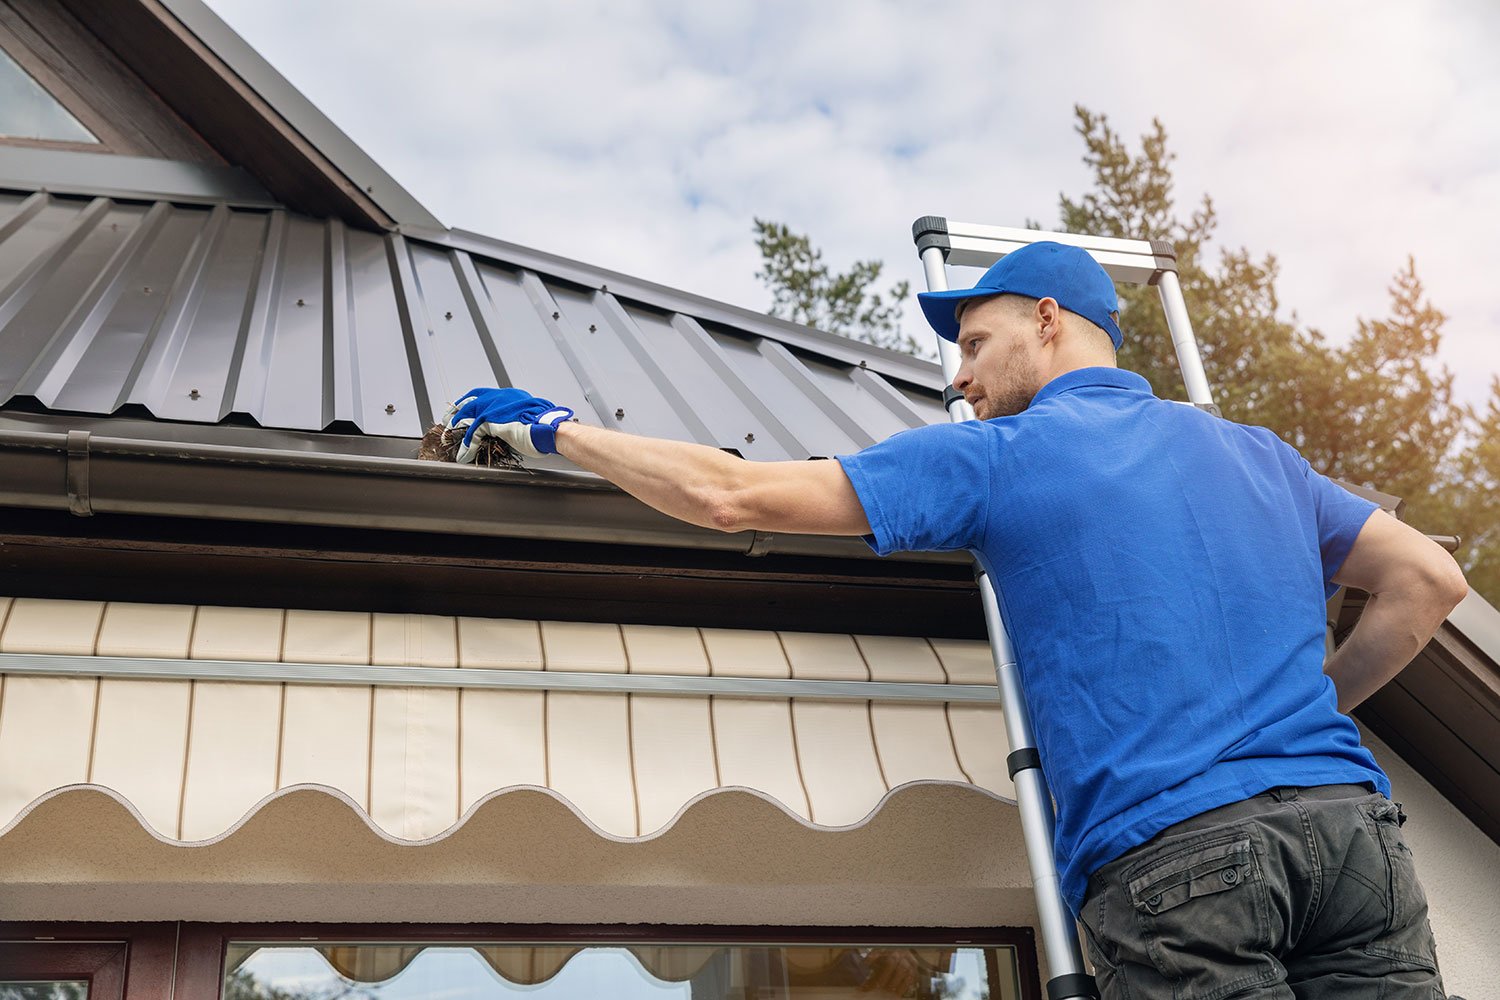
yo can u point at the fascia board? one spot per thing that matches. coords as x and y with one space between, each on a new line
300 113
1478 621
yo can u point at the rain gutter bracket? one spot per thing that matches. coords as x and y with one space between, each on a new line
79 501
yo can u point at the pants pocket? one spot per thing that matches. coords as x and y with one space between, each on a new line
1407 935
1201 908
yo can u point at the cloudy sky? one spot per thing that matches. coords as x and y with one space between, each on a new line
645 136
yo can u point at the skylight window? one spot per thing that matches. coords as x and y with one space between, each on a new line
27 111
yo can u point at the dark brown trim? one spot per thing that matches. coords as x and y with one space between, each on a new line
53 554
100 963
199 948
84 76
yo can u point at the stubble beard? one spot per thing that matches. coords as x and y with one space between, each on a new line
1017 387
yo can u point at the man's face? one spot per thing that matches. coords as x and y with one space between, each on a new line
999 372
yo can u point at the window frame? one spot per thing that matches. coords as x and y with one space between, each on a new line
99 963
186 960
111 139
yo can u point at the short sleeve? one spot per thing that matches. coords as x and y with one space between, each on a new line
926 489
1340 515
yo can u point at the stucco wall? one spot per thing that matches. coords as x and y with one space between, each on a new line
1460 869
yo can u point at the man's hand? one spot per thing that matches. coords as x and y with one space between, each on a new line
1413 584
525 422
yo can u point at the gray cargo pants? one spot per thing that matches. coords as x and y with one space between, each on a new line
1306 893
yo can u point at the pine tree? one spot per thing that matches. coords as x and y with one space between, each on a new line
805 290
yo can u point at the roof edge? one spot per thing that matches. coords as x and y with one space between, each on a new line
298 112
88 474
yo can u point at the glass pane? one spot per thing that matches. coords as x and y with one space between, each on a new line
398 971
27 111
75 989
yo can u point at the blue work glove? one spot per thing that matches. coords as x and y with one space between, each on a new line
525 422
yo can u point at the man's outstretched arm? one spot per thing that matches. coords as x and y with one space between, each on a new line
1413 584
713 489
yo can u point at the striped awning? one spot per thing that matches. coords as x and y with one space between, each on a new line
332 777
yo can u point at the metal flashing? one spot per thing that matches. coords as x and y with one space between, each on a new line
300 113
129 178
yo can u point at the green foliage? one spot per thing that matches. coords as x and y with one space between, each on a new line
1378 411
242 985
805 290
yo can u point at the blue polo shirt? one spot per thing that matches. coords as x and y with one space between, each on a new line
1163 575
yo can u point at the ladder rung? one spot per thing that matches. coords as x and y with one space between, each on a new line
966 244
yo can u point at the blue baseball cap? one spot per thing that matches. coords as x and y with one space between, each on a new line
1043 270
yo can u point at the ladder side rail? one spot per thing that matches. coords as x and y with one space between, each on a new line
1169 289
1033 798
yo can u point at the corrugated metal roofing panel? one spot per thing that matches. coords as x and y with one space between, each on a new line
201 313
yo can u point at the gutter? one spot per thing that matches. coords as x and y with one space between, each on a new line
89 474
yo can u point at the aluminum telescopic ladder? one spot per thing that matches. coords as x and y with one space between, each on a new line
1149 262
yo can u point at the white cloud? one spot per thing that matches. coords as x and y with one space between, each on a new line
644 137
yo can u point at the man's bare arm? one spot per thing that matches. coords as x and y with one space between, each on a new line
1413 584
713 489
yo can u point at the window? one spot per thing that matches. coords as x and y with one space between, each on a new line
636 971
28 111
62 970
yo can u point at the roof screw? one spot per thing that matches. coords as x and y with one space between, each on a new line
603 288
146 289
557 315
447 315
390 407
593 328
114 227
749 438
620 413
369 188
862 363
301 303
193 394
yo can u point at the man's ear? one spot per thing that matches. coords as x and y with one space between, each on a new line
1049 319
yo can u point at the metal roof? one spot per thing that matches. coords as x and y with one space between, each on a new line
209 314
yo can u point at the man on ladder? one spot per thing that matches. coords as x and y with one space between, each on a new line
1220 830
